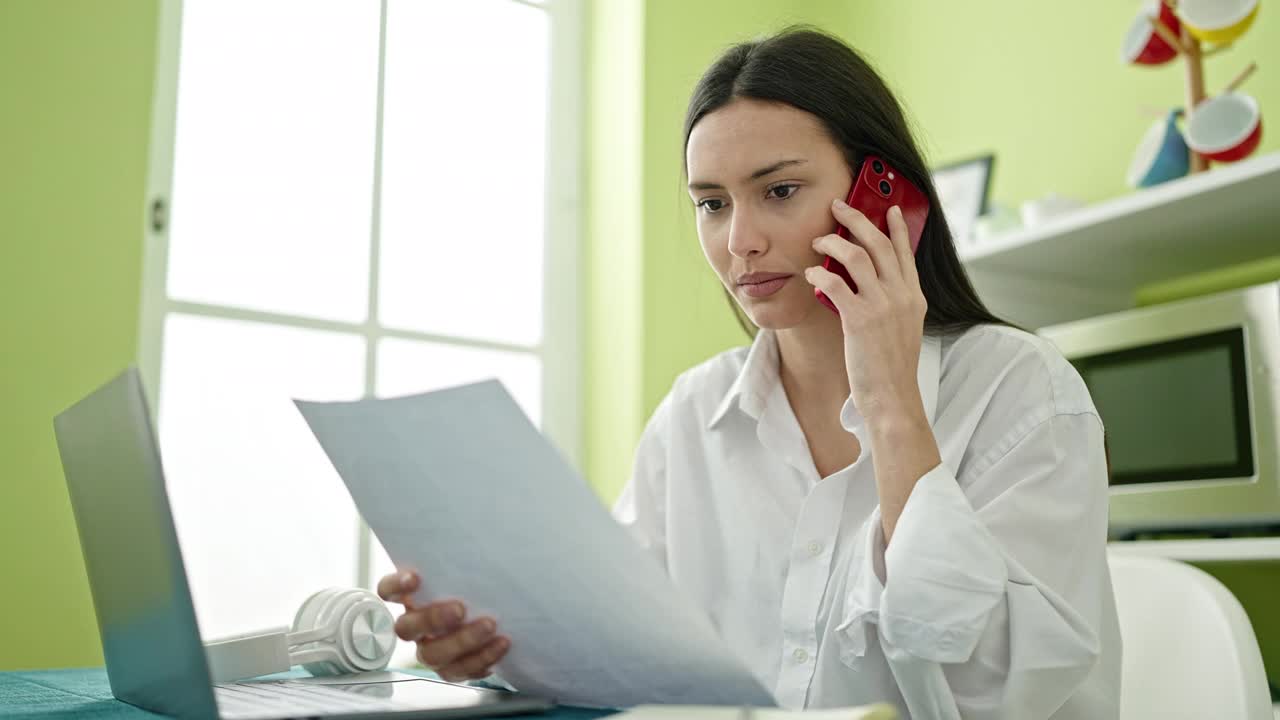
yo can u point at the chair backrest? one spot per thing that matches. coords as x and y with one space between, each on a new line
1189 649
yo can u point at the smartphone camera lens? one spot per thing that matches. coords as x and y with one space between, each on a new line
877 166
885 188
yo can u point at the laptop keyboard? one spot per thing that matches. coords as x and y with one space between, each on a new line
286 699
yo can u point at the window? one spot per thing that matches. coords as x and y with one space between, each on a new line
352 198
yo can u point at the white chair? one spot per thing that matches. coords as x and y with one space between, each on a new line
1189 649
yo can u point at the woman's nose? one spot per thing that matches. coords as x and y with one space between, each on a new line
745 236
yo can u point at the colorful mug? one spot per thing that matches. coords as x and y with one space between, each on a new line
1142 46
1225 127
1217 21
1162 155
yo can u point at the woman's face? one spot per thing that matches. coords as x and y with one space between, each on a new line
762 177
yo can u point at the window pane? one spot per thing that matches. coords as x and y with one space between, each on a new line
273 156
463 169
407 366
263 518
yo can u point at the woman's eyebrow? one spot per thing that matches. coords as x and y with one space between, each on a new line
769 170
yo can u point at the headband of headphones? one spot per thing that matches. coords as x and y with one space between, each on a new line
336 631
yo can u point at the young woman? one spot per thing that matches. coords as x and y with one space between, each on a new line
904 502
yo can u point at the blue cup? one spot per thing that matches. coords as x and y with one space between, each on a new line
1162 155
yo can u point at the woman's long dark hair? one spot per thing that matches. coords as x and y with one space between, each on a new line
818 73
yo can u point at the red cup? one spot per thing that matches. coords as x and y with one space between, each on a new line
1142 46
1225 128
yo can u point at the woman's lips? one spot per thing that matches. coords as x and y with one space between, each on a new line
766 288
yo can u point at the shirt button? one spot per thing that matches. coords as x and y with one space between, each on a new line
815 547
800 655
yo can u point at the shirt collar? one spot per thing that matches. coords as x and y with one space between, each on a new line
760 373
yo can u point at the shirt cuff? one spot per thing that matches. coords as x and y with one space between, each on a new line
933 590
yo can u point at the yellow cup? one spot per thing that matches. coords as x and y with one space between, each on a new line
1217 22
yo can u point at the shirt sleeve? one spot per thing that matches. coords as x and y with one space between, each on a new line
641 508
995 607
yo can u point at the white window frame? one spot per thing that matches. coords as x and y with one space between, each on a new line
560 348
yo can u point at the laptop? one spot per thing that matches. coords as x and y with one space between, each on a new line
154 655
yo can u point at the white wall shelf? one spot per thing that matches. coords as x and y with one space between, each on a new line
1091 261
1212 550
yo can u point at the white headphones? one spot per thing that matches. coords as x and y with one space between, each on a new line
336 631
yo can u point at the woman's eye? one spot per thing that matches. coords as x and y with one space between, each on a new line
711 205
782 192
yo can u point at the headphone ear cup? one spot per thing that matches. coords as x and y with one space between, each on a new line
312 615
363 640
308 613
368 633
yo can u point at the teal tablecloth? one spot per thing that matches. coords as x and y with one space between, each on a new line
84 692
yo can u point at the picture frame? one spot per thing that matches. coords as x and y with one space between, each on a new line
964 189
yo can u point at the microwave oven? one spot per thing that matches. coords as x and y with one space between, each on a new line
1188 394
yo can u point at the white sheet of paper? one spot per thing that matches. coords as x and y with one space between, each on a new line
459 486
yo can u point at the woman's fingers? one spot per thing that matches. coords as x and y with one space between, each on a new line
443 651
438 618
900 235
834 287
855 259
397 586
478 664
877 244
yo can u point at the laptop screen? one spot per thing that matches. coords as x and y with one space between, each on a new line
154 655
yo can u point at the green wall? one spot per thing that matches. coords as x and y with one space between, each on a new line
76 81
613 227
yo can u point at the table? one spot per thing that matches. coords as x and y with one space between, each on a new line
84 692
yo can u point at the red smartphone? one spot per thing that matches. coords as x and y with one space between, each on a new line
877 188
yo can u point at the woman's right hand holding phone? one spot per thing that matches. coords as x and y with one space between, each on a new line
455 648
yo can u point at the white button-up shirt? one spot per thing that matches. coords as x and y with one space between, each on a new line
993 600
